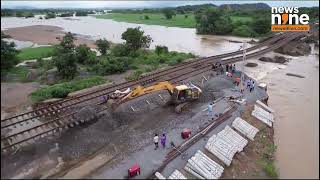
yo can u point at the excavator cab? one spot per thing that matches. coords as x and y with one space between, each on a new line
183 93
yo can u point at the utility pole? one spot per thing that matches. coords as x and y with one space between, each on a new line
244 51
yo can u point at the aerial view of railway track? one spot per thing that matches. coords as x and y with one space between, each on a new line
89 83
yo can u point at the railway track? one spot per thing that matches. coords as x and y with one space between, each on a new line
57 107
60 115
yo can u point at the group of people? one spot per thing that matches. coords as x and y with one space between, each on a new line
250 85
231 68
163 140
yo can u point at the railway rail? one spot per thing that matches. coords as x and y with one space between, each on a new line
60 115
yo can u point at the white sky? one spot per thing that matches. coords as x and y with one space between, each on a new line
137 4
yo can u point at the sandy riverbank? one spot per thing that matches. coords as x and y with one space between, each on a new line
44 35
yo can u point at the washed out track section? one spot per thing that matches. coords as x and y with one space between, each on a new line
62 105
60 115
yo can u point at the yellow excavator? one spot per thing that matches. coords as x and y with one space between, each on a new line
181 95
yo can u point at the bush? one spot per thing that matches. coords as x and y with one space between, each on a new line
270 169
63 89
103 46
119 50
135 75
85 55
146 17
161 49
112 65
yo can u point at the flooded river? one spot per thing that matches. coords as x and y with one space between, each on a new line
295 100
176 39
296 103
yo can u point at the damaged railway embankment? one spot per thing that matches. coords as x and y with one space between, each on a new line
131 136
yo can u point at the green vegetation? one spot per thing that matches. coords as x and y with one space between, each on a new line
267 160
18 74
35 53
178 20
82 13
50 15
8 54
169 13
223 22
103 45
135 39
66 59
63 89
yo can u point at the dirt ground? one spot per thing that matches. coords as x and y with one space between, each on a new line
44 35
15 97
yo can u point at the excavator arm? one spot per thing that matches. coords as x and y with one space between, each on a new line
141 91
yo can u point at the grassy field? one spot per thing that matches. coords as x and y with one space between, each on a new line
154 19
35 53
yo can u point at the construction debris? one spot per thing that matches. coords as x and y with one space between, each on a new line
231 136
267 108
226 144
177 175
159 175
263 115
202 167
245 128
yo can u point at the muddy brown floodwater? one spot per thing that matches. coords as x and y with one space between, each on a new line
176 39
296 103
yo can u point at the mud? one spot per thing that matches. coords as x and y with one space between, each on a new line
44 35
16 97
296 48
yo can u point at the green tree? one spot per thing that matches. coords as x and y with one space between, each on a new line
261 25
168 13
244 31
8 54
85 55
65 59
206 19
103 46
135 39
222 26
146 17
